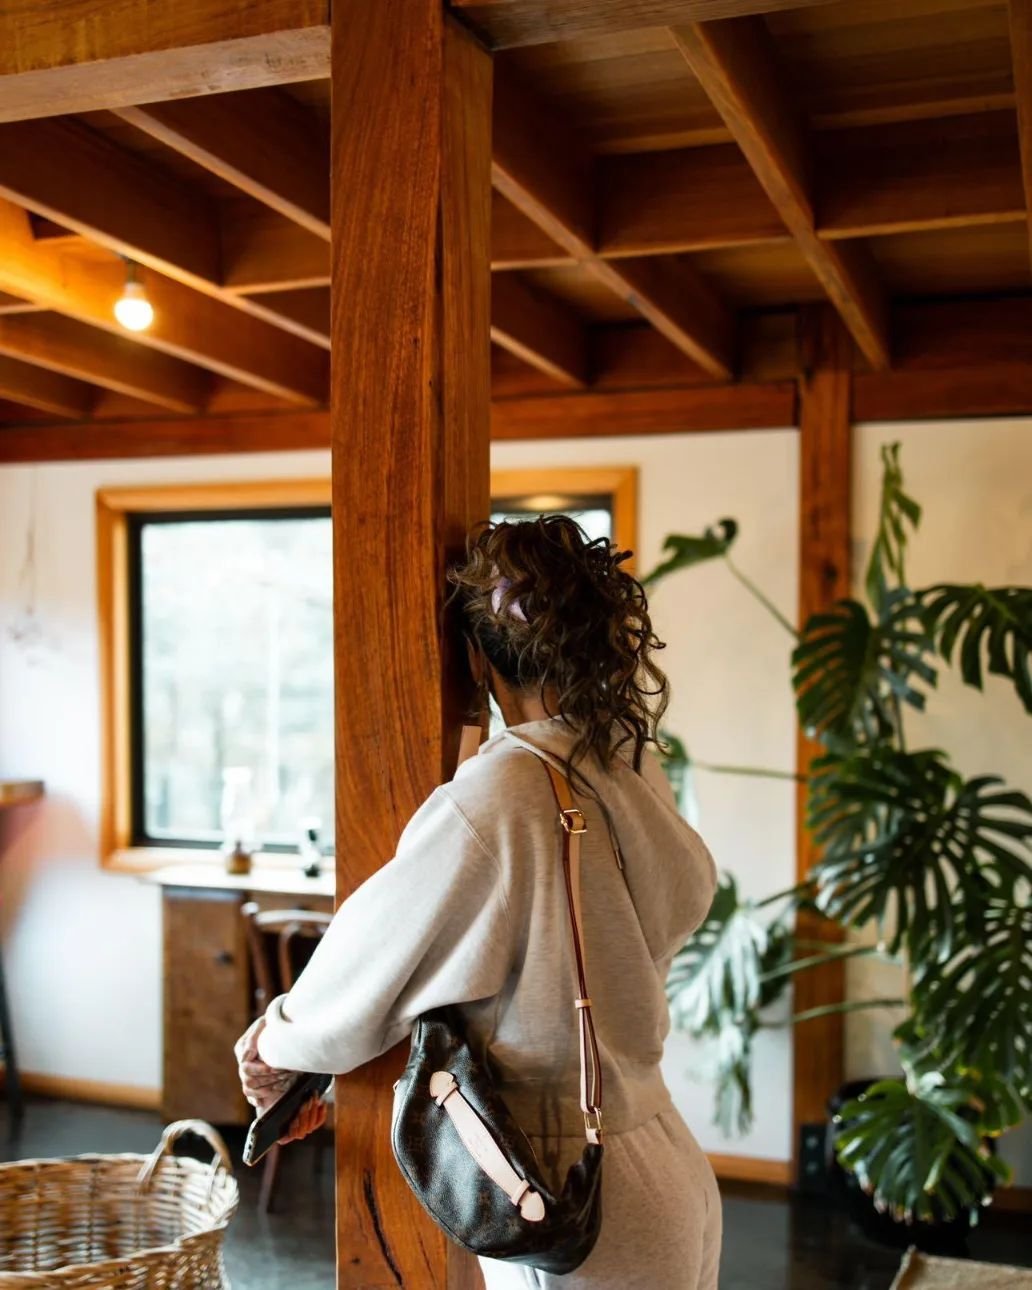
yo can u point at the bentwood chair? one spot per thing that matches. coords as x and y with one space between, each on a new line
280 942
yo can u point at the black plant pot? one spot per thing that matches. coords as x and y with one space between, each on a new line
945 1236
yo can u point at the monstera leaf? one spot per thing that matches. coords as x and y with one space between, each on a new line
717 974
975 1011
996 622
718 985
903 835
848 671
896 513
684 552
916 1147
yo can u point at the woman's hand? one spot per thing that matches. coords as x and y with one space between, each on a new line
312 1116
262 1084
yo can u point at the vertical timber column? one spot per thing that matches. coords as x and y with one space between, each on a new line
410 416
825 442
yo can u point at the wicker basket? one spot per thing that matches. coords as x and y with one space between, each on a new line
118 1222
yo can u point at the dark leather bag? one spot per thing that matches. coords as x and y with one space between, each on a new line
460 1149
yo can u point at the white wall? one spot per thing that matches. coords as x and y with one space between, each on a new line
728 666
82 947
974 481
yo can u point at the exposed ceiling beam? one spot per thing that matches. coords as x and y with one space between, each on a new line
1020 13
187 324
916 175
121 200
735 63
517 242
691 199
505 24
79 179
262 251
702 407
167 437
869 181
540 330
115 363
264 142
78 55
307 307
60 395
12 305
548 177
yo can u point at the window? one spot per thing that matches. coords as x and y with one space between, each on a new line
232 667
602 501
217 644
216 631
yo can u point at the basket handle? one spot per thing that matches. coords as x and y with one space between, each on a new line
171 1136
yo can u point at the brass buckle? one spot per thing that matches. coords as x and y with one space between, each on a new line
593 1121
566 820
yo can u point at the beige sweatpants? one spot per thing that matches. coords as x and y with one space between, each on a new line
661 1219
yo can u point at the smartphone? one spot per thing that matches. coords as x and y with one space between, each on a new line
267 1128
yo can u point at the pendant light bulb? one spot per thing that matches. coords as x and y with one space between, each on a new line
132 308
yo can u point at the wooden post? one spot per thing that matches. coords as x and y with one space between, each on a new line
825 395
410 412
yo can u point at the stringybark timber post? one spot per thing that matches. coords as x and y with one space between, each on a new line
410 415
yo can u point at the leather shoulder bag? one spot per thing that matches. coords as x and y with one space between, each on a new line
459 1147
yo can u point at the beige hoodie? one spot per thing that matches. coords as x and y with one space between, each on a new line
472 911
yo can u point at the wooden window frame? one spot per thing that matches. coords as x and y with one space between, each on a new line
618 482
114 508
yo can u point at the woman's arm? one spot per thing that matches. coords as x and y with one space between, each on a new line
432 927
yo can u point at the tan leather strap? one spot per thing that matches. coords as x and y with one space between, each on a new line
574 826
476 1138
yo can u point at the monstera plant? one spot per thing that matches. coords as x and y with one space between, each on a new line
939 865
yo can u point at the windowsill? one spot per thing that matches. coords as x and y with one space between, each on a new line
183 867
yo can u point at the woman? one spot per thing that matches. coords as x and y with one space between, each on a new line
472 911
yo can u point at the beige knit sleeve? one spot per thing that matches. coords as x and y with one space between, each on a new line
430 928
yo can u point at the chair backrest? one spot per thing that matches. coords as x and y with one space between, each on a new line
280 942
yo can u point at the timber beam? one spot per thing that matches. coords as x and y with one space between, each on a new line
508 24
78 56
735 62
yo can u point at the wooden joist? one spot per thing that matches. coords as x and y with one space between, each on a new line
77 55
543 172
187 324
13 305
541 331
264 142
68 347
262 251
166 437
735 63
63 396
918 175
505 24
116 198
79 179
705 407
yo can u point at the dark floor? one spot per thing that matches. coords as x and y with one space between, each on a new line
770 1243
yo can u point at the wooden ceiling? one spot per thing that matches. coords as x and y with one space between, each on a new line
668 192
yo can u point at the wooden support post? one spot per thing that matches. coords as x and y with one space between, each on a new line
825 389
410 414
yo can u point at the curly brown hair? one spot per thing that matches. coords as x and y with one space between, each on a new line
553 611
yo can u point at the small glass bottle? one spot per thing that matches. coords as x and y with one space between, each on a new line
237 817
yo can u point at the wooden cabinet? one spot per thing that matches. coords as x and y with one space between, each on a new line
208 985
